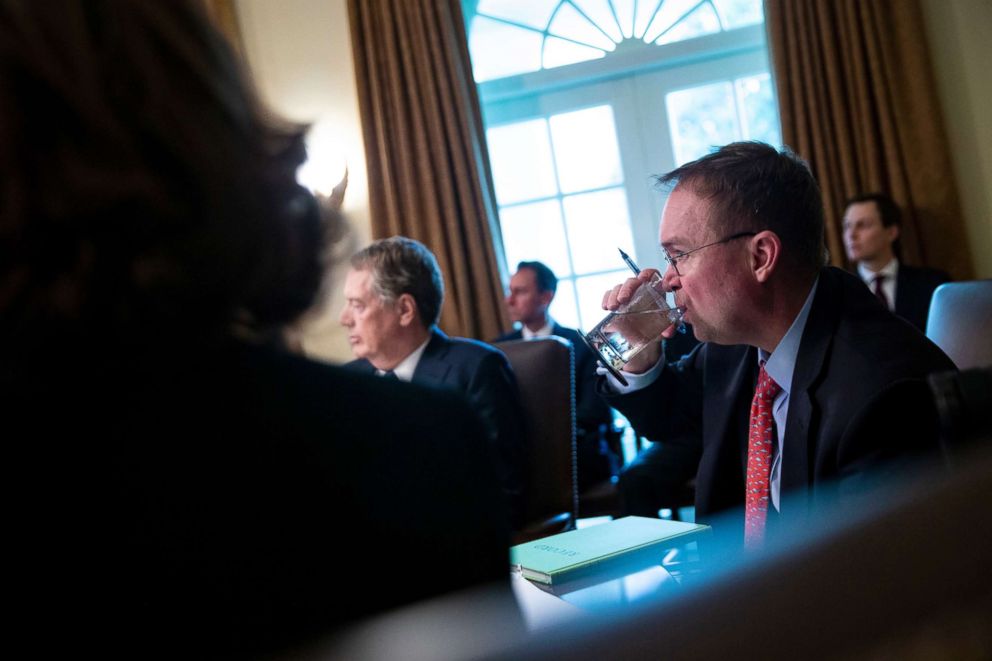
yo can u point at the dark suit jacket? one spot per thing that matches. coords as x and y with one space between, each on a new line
852 408
227 501
591 410
482 374
914 289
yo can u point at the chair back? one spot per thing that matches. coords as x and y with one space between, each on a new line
960 321
545 371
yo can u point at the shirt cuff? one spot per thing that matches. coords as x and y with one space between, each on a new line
634 381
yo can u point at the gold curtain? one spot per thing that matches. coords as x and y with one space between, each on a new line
858 100
425 147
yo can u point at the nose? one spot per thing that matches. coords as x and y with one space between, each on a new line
670 279
344 318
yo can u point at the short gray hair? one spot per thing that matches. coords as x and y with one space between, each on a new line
400 265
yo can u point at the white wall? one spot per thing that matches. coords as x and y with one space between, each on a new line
960 37
299 54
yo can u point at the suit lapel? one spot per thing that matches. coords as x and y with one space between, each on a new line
432 368
798 444
903 294
724 405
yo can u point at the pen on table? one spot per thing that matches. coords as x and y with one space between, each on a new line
629 262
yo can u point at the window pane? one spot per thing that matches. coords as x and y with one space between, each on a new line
520 155
586 151
701 118
669 14
534 13
760 115
643 12
602 15
500 50
569 23
738 13
563 308
598 223
700 22
591 289
559 52
625 14
535 232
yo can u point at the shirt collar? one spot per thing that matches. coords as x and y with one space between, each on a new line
781 363
890 270
404 371
544 331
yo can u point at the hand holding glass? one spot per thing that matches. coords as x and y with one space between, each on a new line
626 331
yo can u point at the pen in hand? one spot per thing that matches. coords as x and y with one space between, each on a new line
629 262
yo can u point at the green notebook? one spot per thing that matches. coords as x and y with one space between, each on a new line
581 553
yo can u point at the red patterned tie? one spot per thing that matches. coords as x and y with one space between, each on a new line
759 459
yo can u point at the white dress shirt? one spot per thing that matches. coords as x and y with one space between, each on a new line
404 371
544 331
891 272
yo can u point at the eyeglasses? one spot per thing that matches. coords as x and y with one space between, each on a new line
673 260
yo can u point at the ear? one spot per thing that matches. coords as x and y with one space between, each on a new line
406 305
545 297
765 254
893 232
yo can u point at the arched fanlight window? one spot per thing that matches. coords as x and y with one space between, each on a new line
510 37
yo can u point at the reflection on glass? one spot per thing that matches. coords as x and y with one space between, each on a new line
586 151
596 222
701 118
535 232
520 155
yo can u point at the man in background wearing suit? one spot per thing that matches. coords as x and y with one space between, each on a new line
394 292
532 288
803 385
871 238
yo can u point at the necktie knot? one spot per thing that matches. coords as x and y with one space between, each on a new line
390 374
767 389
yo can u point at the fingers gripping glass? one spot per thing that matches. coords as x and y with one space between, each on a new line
673 260
623 333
